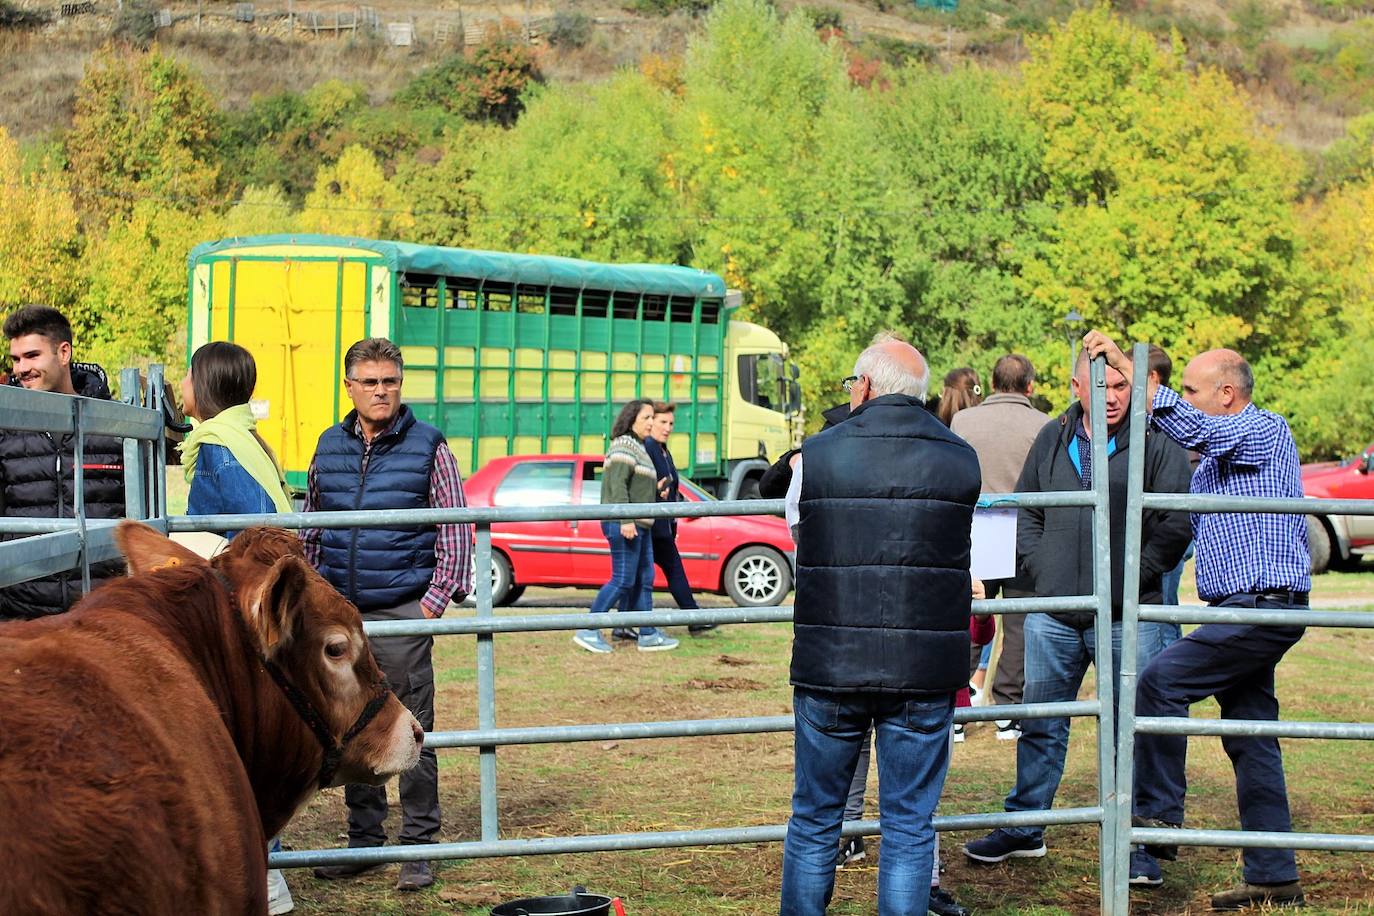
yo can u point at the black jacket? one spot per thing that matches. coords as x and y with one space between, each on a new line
883 587
775 481
37 480
1054 546
664 467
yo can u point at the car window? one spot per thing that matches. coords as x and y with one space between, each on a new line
591 483
536 483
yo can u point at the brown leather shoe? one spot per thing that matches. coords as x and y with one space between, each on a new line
414 875
1238 898
336 872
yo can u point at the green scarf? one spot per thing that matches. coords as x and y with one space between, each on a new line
233 428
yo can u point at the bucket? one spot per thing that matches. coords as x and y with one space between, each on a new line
576 902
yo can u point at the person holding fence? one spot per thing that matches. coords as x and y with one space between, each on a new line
381 457
1057 547
1244 560
232 471
629 476
883 507
37 470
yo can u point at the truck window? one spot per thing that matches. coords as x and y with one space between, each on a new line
536 483
758 381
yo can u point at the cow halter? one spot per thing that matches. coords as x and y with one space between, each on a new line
333 750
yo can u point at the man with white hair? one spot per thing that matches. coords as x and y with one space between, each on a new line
883 506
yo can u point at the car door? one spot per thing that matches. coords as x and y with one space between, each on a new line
539 551
591 553
1357 482
699 542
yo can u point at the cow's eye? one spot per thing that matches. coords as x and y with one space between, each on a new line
336 649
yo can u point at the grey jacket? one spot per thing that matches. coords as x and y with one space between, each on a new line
1001 430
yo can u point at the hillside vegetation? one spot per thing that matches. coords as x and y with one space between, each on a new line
848 167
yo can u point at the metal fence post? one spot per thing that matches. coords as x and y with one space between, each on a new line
158 503
136 471
79 491
486 687
1130 637
1102 590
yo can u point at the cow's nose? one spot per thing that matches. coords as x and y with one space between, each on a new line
418 731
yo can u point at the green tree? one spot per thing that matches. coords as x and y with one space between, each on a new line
1174 221
354 197
447 202
40 236
259 211
144 127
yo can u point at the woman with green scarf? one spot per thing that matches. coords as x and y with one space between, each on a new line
231 471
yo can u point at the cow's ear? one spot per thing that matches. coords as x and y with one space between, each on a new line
148 551
277 606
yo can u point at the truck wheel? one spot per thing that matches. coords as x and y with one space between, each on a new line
757 577
503 587
749 488
1318 545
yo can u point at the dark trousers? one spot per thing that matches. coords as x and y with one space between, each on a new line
1235 663
1009 680
670 561
406 662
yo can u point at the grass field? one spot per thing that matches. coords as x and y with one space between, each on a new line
543 679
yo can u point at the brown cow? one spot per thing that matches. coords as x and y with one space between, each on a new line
152 738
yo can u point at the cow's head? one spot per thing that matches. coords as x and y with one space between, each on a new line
312 635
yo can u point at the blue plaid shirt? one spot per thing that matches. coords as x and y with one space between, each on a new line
1251 453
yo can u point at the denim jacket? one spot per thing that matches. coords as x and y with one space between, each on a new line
222 487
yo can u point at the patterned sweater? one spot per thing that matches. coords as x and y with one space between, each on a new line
629 476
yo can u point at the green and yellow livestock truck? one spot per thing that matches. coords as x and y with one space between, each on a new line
506 353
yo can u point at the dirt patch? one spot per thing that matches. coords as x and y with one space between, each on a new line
733 661
724 683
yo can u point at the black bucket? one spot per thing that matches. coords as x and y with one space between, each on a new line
575 903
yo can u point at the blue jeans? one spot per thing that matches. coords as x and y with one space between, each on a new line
632 574
1172 579
1235 663
1057 657
913 756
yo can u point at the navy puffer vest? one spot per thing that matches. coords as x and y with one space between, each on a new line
883 585
377 567
38 480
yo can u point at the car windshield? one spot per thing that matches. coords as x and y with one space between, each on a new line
696 491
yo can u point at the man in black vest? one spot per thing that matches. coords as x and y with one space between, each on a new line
37 470
380 457
883 509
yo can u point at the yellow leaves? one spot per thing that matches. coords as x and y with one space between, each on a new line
353 197
40 235
588 219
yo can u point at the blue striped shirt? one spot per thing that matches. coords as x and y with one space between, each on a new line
1251 453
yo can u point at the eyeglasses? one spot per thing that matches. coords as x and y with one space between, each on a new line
849 383
390 383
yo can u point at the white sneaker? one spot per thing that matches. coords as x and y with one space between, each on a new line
278 894
976 696
1007 730
958 733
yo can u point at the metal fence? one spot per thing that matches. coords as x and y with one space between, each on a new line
1137 501
67 543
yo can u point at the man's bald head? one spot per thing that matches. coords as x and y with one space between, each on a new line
893 367
1218 382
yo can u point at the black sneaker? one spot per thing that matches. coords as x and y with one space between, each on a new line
1166 852
1000 845
697 629
851 852
352 870
942 903
625 633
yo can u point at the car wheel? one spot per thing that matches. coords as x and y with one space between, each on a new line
503 587
757 577
1318 545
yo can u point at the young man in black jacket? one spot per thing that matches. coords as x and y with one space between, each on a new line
1055 548
37 470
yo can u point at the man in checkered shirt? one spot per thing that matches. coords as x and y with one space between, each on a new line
1243 560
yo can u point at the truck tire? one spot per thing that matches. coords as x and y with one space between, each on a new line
757 576
1318 545
749 488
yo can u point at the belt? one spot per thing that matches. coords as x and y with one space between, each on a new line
1286 595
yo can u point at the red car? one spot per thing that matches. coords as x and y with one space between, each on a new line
749 558
1340 541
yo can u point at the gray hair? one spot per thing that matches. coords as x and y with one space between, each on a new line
887 375
372 350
